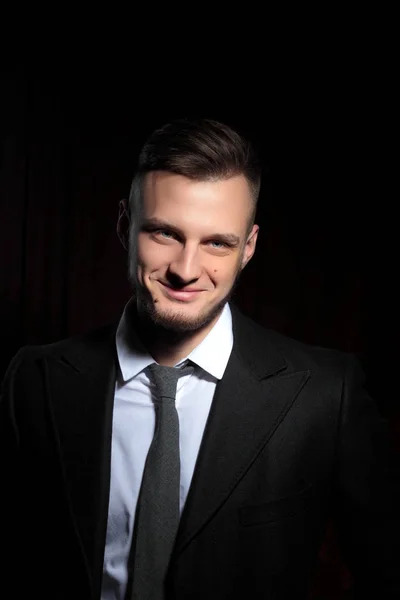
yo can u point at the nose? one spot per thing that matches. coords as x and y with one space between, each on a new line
186 267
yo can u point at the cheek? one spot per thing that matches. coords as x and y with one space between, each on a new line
225 272
150 255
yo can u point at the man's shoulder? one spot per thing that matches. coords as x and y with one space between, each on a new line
296 353
92 340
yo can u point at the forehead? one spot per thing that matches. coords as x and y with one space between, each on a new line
171 196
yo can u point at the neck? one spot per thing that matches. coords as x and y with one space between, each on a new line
168 348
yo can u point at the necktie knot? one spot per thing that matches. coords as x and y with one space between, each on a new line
166 379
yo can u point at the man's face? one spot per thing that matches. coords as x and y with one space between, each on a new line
188 245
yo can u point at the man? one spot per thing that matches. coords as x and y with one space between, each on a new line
274 437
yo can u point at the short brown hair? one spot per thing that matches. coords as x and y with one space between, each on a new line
200 149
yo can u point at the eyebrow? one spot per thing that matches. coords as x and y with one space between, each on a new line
230 239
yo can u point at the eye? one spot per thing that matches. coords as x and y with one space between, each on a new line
165 234
217 244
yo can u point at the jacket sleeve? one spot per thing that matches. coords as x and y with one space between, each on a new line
9 433
367 501
14 504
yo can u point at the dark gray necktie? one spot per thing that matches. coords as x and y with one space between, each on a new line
157 515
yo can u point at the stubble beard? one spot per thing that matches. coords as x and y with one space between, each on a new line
177 322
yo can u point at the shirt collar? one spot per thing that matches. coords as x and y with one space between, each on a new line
212 354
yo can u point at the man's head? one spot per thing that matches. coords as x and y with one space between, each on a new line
191 222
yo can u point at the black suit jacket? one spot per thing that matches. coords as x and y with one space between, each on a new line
292 440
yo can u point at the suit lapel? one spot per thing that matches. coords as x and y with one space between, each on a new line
81 384
255 394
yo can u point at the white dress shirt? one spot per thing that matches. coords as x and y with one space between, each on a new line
133 429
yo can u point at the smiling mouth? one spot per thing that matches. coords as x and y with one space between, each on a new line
179 294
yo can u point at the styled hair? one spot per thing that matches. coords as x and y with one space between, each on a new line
200 149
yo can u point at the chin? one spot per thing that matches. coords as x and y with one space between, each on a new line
178 318
180 321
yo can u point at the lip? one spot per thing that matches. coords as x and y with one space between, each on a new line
181 295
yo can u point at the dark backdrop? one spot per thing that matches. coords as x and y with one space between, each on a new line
325 270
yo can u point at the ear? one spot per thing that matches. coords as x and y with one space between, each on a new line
250 246
123 224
